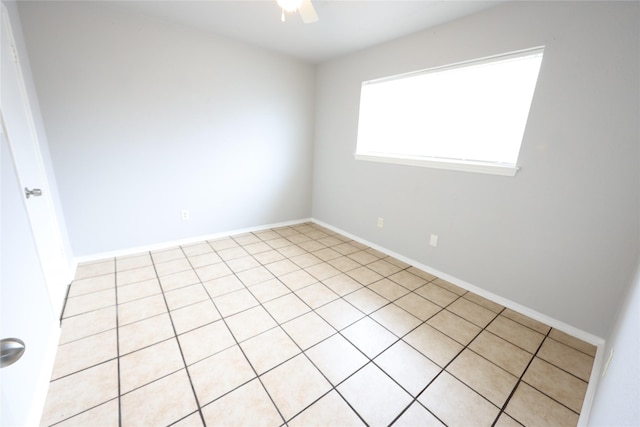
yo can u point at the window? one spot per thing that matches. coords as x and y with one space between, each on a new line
469 116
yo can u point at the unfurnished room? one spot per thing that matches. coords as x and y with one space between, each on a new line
320 213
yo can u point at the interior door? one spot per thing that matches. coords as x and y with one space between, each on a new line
26 309
23 145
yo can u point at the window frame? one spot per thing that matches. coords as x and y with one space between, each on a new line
486 167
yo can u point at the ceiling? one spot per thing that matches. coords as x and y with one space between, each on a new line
344 26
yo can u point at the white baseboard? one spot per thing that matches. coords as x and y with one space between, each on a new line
547 320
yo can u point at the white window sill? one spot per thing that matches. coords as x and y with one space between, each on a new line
450 164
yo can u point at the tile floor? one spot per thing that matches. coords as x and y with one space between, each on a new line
301 326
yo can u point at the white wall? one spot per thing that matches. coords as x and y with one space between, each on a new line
617 400
145 119
561 237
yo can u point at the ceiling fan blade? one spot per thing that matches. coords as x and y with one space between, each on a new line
308 12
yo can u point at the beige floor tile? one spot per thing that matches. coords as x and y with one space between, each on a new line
84 353
219 374
509 357
269 349
266 291
92 284
135 275
322 271
286 307
231 253
95 269
203 260
487 379
330 410
342 263
395 319
294 385
329 241
366 300
197 249
417 415
89 302
434 344
364 276
345 248
490 305
328 254
144 332
516 333
567 358
574 342
76 393
472 312
131 262
246 239
436 294
420 307
193 420
244 263
222 243
257 248
454 327
526 321
374 395
223 285
286 248
336 358
403 265
179 280
140 309
205 341
556 383
213 271
316 295
388 289
149 364
408 280
171 267
449 286
297 280
342 284
268 256
250 323
340 314
248 405
160 403
105 415
506 421
194 316
84 325
456 404
363 257
235 302
167 255
530 407
186 296
384 268
279 243
426 276
255 275
369 337
138 290
308 329
306 260
282 267
407 367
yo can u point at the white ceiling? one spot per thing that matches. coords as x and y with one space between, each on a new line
345 26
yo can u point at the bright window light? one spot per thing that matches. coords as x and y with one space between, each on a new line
468 116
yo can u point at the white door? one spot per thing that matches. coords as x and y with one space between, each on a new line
26 311
27 158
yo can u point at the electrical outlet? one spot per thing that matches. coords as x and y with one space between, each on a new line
380 222
184 215
433 240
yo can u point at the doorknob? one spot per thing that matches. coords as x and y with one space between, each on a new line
11 350
36 192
